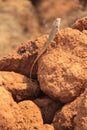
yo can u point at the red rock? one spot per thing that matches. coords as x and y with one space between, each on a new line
62 75
64 119
13 116
10 115
31 113
62 72
23 57
81 117
48 108
19 85
80 24
43 127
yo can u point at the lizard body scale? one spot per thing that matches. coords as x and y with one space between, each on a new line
55 28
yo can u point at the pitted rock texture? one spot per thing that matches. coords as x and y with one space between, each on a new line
19 86
80 24
62 71
21 59
14 116
42 127
31 112
62 75
72 115
64 119
10 114
21 20
81 117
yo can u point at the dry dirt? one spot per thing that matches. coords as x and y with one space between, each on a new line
57 97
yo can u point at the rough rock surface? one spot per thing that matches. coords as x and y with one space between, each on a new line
43 127
62 75
62 71
19 86
10 114
80 24
81 117
17 24
72 115
21 59
31 113
64 119
21 20
20 116
48 108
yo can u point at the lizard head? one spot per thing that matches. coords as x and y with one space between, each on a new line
57 23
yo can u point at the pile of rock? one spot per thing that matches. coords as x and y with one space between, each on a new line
58 99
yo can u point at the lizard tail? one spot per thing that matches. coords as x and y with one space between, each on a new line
32 68
31 83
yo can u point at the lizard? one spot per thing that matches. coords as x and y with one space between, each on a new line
55 28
